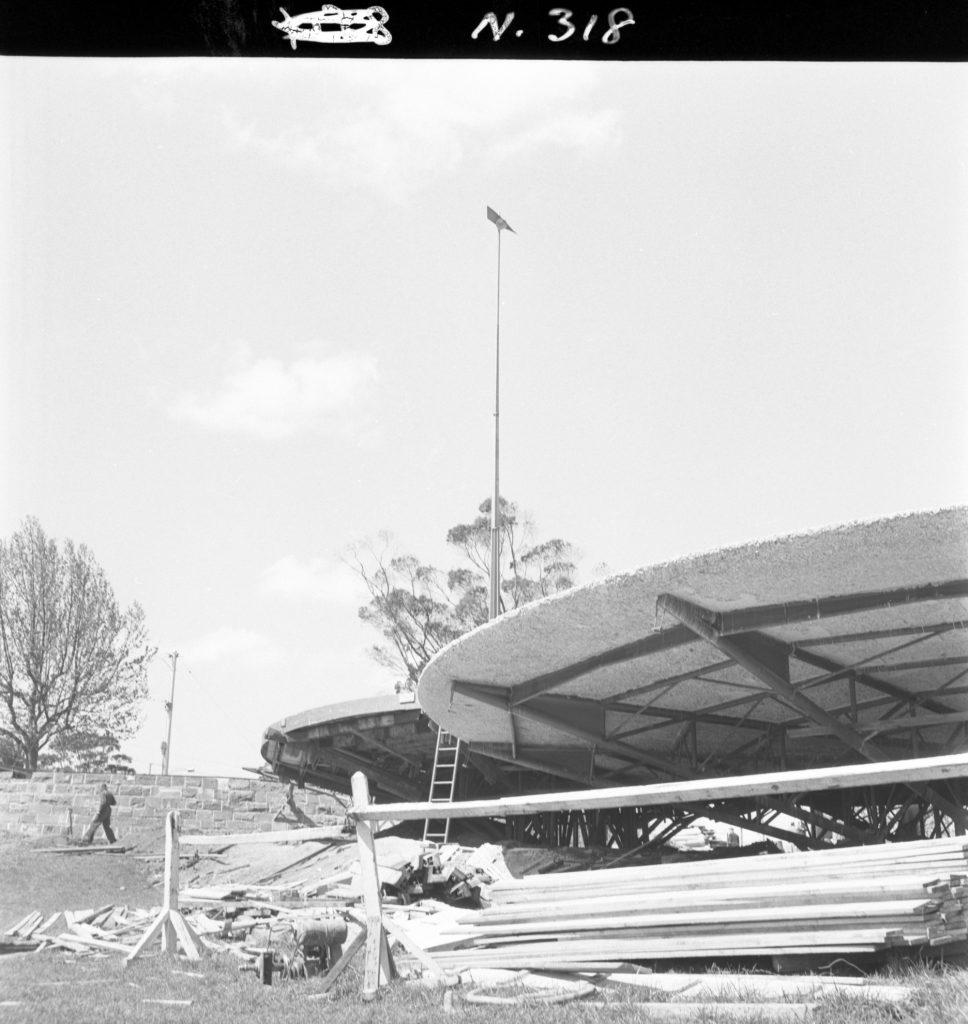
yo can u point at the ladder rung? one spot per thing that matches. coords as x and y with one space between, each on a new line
443 783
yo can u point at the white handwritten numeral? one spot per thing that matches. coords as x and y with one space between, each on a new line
619 18
615 26
564 18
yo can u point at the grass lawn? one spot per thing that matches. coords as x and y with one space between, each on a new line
30 880
59 987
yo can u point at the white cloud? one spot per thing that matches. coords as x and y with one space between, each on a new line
231 644
587 132
271 399
395 128
316 579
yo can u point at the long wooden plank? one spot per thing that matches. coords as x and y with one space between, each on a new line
13 930
86 940
932 855
885 932
790 986
675 1013
810 891
551 955
296 835
674 793
31 924
520 900
856 911
774 867
82 849
719 895
621 948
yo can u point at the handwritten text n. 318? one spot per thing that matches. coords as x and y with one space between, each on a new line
565 25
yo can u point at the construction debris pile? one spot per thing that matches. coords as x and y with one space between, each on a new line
457 914
296 903
840 901
110 928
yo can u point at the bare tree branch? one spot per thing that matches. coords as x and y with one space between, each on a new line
70 660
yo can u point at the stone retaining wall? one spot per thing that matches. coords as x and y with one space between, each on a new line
51 802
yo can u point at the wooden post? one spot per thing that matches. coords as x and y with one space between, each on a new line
379 967
169 941
169 924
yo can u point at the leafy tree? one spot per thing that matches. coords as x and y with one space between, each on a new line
419 609
72 665
528 570
85 751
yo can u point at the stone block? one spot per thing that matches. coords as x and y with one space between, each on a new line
166 791
165 803
241 796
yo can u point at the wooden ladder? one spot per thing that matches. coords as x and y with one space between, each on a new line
442 784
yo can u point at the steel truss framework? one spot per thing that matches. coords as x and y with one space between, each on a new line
864 715
854 816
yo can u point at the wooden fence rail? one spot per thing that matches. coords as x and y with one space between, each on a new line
673 793
379 963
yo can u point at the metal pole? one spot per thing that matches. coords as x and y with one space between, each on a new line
170 708
496 500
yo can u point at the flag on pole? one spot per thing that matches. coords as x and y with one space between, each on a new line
497 219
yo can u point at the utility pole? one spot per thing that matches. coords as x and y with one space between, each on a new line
169 707
494 604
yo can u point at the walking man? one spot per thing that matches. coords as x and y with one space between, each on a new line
103 817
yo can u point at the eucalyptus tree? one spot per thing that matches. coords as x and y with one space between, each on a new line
418 608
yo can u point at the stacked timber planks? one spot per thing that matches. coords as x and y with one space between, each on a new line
836 901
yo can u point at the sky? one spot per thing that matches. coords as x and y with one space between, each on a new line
249 311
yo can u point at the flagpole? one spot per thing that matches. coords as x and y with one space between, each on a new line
496 500
495 590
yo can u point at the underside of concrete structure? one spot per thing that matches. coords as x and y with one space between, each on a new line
827 648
